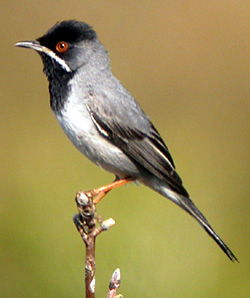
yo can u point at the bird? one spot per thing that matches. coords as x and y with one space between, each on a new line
104 121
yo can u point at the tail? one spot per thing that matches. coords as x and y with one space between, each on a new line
186 204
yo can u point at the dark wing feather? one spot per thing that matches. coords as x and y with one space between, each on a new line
146 148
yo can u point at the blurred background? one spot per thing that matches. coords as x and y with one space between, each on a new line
187 63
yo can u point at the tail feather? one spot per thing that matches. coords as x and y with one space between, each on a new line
186 204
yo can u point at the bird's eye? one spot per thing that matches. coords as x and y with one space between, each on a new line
62 46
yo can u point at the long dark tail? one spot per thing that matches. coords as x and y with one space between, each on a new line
186 204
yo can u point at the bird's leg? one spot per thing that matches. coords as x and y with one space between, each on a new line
98 193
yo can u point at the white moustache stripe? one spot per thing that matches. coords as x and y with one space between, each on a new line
60 61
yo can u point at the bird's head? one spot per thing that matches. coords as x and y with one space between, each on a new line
65 47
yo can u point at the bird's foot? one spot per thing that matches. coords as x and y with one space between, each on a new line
97 194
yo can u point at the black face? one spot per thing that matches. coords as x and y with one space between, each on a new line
71 32
68 40
66 47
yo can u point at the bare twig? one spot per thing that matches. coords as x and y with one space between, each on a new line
89 225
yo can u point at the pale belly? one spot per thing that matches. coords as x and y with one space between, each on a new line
80 129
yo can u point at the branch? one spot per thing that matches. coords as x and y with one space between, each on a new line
89 225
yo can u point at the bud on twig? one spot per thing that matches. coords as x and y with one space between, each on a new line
107 224
114 284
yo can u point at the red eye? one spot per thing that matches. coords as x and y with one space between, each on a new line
62 47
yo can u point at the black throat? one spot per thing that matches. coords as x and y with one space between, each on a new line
58 83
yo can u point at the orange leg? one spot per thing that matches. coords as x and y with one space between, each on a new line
100 192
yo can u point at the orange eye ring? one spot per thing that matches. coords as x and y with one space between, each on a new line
62 46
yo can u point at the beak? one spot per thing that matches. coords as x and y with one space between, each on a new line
35 45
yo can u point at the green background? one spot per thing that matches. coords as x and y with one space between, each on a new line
187 63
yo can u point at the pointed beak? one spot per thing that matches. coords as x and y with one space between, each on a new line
35 45
30 44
